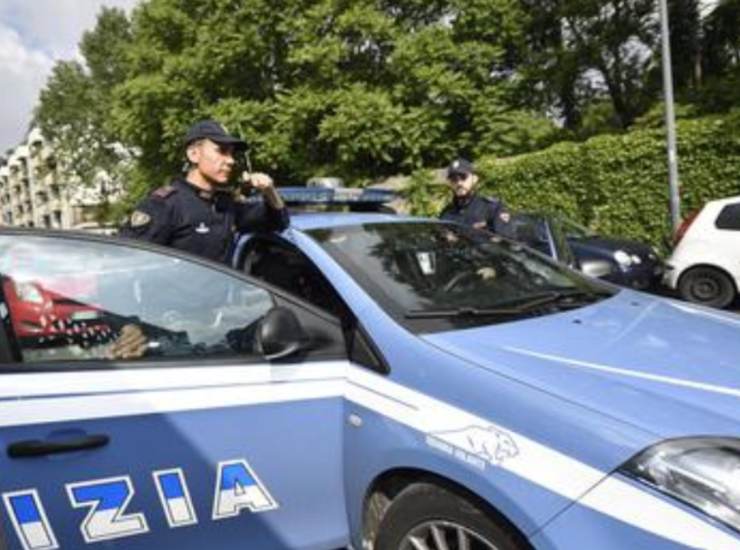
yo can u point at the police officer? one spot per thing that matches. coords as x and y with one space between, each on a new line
467 206
198 213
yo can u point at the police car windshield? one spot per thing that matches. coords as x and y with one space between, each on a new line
468 277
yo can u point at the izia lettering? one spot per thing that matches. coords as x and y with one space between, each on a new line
109 515
107 500
238 488
29 520
175 497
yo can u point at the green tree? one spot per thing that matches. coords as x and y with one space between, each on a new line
685 32
73 111
616 38
721 39
580 52
553 70
358 89
714 54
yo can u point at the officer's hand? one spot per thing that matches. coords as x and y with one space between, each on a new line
257 180
263 183
130 344
451 238
487 273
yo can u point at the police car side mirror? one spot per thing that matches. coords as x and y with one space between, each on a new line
596 268
280 334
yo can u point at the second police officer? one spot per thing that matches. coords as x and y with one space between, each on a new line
469 208
198 213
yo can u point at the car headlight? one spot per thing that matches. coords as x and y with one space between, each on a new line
703 472
28 292
622 258
636 259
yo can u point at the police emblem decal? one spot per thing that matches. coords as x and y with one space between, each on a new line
476 445
139 218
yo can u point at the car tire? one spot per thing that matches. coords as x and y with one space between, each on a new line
707 286
424 513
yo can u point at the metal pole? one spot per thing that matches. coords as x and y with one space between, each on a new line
670 117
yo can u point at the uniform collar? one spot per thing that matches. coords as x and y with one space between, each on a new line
197 191
464 201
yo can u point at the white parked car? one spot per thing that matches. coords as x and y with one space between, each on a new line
705 264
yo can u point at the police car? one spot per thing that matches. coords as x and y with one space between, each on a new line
368 381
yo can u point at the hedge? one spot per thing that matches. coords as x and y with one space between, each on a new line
615 184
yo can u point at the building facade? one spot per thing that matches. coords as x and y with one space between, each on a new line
35 191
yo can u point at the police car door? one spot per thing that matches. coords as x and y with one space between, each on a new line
137 406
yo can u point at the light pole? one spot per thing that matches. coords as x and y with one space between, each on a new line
670 117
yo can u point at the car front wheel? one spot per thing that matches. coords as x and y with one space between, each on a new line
707 286
430 517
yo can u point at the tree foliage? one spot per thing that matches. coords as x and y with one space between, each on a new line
74 106
721 40
359 89
597 63
583 50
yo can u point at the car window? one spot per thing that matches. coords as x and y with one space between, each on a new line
560 241
574 230
729 217
65 299
429 269
543 234
283 266
532 231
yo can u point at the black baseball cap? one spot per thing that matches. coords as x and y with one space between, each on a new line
210 129
460 166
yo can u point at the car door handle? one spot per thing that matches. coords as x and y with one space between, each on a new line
37 447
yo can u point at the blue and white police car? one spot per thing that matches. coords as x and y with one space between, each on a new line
361 380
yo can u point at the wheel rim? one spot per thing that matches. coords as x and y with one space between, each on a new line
444 535
706 289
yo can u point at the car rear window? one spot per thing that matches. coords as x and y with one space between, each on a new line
729 217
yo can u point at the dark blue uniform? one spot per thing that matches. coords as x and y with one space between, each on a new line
185 217
478 212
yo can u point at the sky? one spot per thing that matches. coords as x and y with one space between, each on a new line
33 35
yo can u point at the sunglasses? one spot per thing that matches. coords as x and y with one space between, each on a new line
457 177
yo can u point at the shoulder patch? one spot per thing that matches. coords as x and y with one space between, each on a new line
139 218
164 192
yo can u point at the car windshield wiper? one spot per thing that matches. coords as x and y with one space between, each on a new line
514 308
562 298
580 295
461 312
571 297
